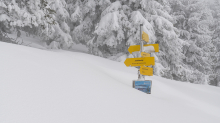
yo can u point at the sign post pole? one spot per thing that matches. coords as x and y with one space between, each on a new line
140 76
141 26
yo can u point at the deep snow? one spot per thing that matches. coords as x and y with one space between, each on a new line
41 86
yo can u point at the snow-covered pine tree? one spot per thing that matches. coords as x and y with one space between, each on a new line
194 20
170 55
4 22
119 28
84 16
42 19
113 30
60 31
215 78
46 18
15 16
51 17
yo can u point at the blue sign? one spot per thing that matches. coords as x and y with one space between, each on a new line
144 86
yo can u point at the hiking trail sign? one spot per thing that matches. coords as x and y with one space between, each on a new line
148 71
134 48
147 61
145 36
143 54
142 63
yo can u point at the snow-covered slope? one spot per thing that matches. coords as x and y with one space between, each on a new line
40 86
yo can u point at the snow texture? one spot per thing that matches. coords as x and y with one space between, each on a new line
4 17
148 49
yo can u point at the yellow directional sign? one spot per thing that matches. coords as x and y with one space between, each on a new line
147 61
134 48
145 36
143 54
146 71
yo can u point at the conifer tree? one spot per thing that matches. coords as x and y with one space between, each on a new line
47 18
4 22
83 17
194 20
170 54
14 16
60 30
215 78
119 27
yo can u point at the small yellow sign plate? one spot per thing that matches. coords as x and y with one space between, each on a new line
147 61
134 48
145 36
143 54
148 71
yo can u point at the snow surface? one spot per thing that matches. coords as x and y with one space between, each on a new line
28 40
41 86
35 41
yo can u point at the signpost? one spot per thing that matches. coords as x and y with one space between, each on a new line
147 61
142 63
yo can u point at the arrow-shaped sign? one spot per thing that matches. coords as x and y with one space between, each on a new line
134 48
143 54
146 71
147 61
145 36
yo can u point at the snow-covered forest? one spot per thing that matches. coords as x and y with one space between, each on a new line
187 31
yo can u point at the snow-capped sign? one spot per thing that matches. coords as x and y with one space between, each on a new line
148 71
147 61
145 36
148 49
143 54
144 86
134 48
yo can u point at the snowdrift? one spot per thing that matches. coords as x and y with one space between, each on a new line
41 86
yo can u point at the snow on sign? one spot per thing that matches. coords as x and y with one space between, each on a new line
144 86
147 61
134 48
145 36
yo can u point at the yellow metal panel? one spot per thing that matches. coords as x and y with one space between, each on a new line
145 36
143 54
147 61
146 71
134 48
